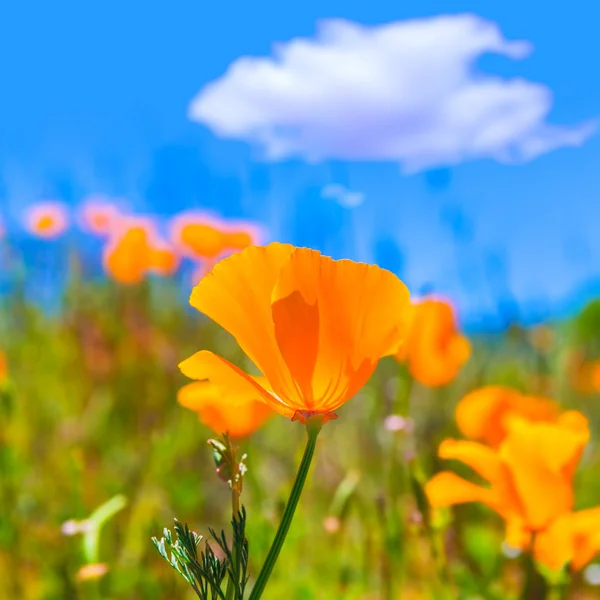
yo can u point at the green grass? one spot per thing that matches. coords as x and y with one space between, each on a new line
89 412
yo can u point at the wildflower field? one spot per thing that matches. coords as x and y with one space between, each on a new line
376 451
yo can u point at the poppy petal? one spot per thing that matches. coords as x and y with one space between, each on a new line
446 489
538 455
517 535
553 546
237 295
483 460
586 536
361 315
216 410
237 386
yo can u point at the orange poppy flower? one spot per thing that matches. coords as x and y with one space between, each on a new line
203 237
99 217
163 259
584 374
595 375
3 367
238 417
484 413
435 350
314 326
530 475
47 220
573 538
134 250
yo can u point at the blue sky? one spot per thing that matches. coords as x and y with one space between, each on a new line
95 99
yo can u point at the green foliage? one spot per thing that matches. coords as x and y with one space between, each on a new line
204 571
89 413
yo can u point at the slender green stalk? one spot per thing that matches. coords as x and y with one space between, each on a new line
312 429
232 583
535 587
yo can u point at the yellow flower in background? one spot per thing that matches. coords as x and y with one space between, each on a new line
315 327
484 413
530 477
435 350
239 416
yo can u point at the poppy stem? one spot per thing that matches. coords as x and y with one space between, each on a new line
313 427
535 587
233 581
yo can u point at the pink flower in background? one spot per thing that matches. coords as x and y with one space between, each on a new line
98 216
47 220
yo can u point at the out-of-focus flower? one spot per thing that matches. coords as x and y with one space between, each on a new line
47 220
484 414
3 367
135 250
126 256
74 527
435 350
541 338
314 326
99 217
219 409
203 237
595 375
530 478
397 423
573 538
92 571
163 260
583 373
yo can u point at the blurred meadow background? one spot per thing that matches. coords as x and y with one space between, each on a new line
453 143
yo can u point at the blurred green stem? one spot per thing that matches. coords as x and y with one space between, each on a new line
535 587
399 484
313 427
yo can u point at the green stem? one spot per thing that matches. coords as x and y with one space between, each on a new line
232 583
535 587
312 429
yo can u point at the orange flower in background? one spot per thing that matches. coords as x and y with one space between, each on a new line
584 374
134 251
595 375
163 260
204 237
484 413
47 220
573 538
216 408
435 350
530 478
3 367
315 327
99 217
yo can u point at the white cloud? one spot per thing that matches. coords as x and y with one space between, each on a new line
407 91
343 195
